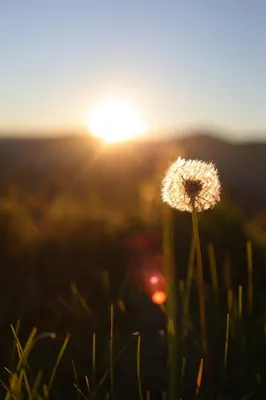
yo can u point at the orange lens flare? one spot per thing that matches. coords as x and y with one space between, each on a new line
159 297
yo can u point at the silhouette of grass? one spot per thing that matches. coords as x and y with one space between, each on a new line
233 340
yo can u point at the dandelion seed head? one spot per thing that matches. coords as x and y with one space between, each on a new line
191 184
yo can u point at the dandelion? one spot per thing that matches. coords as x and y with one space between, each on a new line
191 185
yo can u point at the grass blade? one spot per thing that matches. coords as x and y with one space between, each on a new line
60 355
76 379
27 349
240 300
16 341
250 277
36 385
227 273
111 364
87 384
138 367
226 341
199 377
93 361
213 271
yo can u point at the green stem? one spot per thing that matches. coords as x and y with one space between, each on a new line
201 294
200 282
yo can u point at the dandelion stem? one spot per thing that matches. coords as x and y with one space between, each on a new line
201 294
200 282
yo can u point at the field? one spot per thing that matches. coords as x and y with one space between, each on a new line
80 246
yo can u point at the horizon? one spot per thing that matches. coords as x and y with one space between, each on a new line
183 66
164 137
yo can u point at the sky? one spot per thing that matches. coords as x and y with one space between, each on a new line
184 64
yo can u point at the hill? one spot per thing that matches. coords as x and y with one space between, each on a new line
241 166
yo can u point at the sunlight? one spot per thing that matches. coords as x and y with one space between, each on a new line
114 120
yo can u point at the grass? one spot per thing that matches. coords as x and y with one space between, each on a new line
236 340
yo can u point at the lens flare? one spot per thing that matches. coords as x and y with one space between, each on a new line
154 280
159 297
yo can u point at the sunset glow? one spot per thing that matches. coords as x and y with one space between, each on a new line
114 120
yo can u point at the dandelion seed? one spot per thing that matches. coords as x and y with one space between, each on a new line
191 185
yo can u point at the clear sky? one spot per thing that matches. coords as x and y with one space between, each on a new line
183 63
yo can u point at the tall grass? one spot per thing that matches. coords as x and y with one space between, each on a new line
233 338
19 381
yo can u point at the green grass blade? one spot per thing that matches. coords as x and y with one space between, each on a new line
60 355
27 349
36 385
16 341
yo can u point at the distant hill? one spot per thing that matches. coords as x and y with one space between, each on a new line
241 166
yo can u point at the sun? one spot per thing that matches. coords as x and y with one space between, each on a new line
115 120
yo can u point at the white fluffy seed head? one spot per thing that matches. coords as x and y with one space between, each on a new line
191 184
